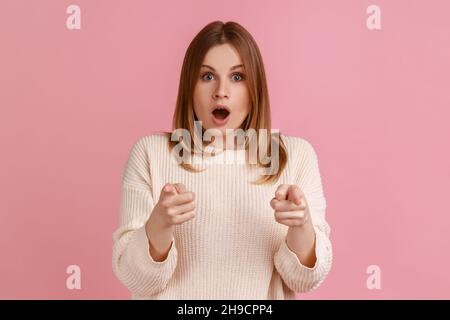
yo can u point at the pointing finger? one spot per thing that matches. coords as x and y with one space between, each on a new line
285 205
281 192
168 188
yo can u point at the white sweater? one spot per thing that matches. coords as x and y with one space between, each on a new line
233 248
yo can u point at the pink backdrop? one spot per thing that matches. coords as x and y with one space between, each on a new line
374 104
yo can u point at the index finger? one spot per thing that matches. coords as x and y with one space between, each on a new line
281 192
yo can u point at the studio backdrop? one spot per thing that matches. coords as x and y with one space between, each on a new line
366 82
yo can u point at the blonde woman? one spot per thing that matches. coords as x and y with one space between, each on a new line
214 229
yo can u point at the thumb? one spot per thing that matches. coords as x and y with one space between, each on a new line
294 194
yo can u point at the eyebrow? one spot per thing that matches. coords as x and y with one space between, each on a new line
232 68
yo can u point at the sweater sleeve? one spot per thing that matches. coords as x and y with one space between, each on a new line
298 277
131 260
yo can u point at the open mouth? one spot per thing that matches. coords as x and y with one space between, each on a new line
221 113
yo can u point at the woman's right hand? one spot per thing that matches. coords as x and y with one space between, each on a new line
175 206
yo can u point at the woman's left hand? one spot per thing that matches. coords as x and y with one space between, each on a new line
291 208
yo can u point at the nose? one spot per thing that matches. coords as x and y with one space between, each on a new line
221 90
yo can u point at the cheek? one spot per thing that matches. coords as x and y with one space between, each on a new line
199 99
202 103
202 93
243 98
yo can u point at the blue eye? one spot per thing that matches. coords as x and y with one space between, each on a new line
239 75
209 76
206 74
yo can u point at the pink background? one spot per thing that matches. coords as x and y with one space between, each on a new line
374 104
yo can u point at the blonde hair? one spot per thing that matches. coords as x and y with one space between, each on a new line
216 33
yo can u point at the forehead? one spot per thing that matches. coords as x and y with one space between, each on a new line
223 56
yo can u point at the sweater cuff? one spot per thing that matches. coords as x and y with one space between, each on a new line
299 277
138 250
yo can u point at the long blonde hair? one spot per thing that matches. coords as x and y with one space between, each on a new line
216 33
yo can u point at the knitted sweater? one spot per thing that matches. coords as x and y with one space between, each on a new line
233 248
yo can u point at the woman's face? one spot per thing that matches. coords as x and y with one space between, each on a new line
222 82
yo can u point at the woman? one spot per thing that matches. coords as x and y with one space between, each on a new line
209 230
